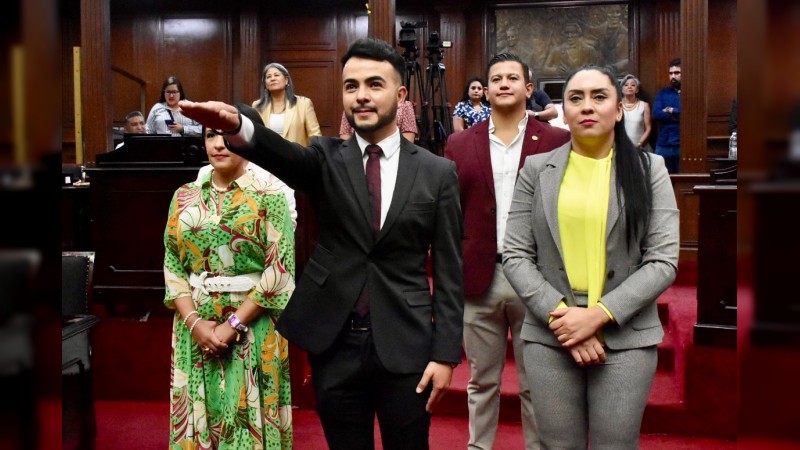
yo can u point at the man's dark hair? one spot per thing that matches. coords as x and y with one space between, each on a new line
675 62
376 50
502 57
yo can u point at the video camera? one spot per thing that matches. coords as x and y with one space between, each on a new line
436 44
408 35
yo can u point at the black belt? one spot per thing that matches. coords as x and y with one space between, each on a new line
499 258
357 323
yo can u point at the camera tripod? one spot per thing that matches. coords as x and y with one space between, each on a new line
416 89
440 126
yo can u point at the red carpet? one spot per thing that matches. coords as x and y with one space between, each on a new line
692 405
144 425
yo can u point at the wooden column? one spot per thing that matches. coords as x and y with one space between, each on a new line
694 58
249 85
381 20
96 76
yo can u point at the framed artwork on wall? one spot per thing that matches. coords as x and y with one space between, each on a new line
554 38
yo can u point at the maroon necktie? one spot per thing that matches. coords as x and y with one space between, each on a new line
374 188
374 185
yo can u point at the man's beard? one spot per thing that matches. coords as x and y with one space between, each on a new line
382 121
676 84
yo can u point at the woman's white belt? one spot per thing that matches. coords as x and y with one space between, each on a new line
239 283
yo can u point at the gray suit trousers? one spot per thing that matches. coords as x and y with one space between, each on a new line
488 318
603 403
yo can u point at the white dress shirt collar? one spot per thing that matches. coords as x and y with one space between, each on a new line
390 145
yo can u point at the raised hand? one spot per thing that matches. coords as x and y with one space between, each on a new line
216 115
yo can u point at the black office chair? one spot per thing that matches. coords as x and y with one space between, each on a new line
18 267
78 420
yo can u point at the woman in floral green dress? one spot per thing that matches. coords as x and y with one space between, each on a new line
229 271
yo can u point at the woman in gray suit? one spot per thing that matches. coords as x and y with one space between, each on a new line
591 242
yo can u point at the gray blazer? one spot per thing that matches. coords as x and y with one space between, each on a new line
534 263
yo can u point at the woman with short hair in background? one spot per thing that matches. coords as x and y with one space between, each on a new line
638 120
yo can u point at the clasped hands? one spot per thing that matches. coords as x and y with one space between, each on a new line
576 329
212 337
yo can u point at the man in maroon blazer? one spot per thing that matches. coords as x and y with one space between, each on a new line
488 157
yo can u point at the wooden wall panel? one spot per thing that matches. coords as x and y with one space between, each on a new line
667 40
198 51
194 48
95 77
311 58
454 28
133 51
318 33
722 61
70 37
313 79
689 206
248 67
127 50
381 20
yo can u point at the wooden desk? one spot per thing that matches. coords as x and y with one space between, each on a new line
716 266
775 248
130 191
129 207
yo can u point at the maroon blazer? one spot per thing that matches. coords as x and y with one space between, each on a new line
469 149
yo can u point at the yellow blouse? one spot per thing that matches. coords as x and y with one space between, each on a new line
582 218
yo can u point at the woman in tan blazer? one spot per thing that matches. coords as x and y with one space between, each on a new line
290 115
591 242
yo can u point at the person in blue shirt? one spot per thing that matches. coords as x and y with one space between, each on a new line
667 113
539 104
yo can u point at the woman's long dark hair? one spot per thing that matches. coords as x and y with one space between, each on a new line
465 97
632 168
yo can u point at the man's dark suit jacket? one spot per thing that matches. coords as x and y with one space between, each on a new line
411 325
470 151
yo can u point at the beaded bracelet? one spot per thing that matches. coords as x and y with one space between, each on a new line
193 324
191 313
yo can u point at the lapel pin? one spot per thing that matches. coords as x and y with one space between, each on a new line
535 138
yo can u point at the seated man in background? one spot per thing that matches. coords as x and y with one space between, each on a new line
539 104
134 124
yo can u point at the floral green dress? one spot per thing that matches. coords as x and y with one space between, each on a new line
240 399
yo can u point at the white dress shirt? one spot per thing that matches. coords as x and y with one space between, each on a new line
390 161
505 165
